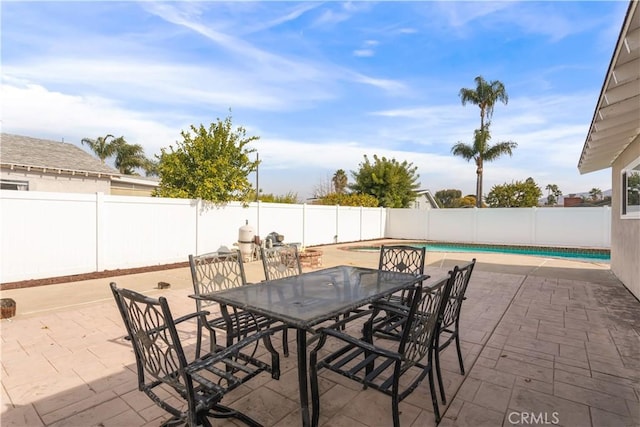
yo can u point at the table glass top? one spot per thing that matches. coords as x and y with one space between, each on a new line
310 298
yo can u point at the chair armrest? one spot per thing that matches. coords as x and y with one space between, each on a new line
362 344
191 316
350 317
225 352
387 306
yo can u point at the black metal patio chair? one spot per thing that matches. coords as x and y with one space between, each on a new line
395 371
217 271
390 325
403 259
280 261
191 391
449 327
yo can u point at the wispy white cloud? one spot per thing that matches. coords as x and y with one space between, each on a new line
367 50
38 112
338 13
363 52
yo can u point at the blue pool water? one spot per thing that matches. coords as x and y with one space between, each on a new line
593 255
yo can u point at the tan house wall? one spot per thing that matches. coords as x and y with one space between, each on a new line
63 182
121 189
625 233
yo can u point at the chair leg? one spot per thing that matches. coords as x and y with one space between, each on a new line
199 339
434 399
395 410
285 341
439 374
459 351
221 411
313 380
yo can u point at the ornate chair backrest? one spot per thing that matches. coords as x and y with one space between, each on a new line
158 351
456 296
214 272
280 261
402 258
425 313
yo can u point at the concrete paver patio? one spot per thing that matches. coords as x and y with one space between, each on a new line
545 341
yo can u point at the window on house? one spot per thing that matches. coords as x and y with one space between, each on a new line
631 190
9 184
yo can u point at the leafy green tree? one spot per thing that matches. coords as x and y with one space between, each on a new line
340 181
595 194
515 195
102 146
211 164
391 182
290 198
480 151
467 201
484 95
553 194
448 198
129 157
352 199
150 167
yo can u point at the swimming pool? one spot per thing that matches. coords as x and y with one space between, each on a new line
577 254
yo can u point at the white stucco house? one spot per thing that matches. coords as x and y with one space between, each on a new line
613 142
425 200
34 164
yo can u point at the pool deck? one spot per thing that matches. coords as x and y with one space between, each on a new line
546 338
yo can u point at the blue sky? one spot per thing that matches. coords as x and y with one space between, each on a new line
321 84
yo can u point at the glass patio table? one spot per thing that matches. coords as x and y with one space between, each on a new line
309 299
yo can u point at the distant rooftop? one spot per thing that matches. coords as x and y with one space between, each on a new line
23 151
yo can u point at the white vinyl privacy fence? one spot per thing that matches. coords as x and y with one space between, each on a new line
54 234
563 227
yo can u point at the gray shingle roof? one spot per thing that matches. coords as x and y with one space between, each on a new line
43 153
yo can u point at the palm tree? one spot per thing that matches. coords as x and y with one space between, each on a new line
595 194
128 156
485 96
340 181
554 193
101 146
151 167
480 152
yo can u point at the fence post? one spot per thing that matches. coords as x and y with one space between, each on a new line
337 223
427 225
534 218
361 221
606 227
258 204
476 212
99 231
304 225
198 206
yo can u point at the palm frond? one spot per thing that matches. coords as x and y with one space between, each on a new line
499 149
463 150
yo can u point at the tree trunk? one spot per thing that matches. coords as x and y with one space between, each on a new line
479 186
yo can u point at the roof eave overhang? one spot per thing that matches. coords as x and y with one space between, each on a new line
59 171
616 120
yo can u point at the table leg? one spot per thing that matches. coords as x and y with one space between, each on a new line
303 376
